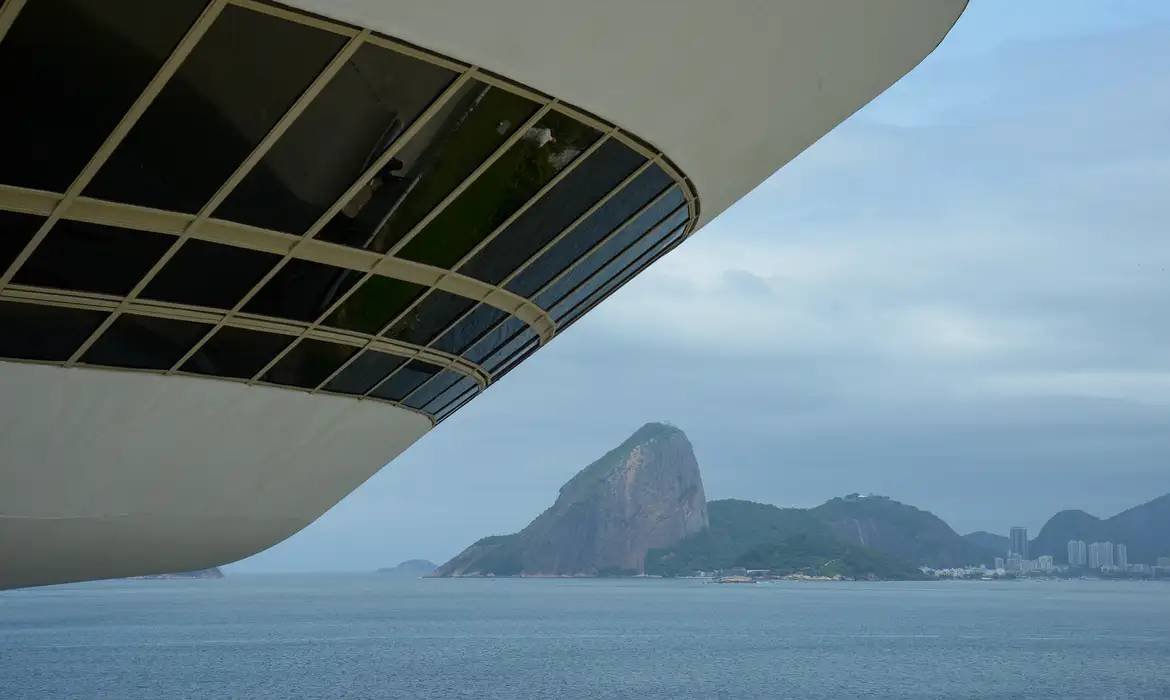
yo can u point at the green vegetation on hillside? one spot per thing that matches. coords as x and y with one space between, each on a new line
785 540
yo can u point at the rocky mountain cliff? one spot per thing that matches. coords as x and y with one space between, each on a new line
646 493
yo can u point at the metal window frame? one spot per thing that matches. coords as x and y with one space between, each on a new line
71 205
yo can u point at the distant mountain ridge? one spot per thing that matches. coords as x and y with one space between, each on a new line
899 530
989 541
783 540
414 568
1144 529
641 508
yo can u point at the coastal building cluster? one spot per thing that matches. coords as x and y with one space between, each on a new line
1107 559
1103 558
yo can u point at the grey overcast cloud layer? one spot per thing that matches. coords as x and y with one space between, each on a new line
958 298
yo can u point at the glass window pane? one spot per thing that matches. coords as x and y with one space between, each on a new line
430 317
375 96
468 129
302 290
92 258
599 224
656 215
544 220
453 392
374 304
209 274
494 362
144 342
405 380
364 373
35 332
455 405
615 275
236 352
74 67
497 337
16 230
438 384
309 363
242 76
510 362
502 189
469 329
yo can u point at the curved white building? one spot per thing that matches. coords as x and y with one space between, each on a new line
250 252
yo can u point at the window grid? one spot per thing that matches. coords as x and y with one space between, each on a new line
583 257
561 175
202 226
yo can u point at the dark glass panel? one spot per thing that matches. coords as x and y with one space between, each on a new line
242 76
455 405
423 322
615 275
405 380
16 230
309 363
511 362
302 290
236 352
494 362
503 188
92 258
209 274
493 340
364 373
144 342
545 219
374 304
35 332
375 96
71 69
597 226
668 206
437 385
468 129
452 393
469 329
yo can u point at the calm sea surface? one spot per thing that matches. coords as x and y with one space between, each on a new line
365 636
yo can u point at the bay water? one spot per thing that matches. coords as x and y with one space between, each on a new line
375 636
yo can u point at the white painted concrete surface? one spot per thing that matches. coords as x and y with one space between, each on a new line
108 473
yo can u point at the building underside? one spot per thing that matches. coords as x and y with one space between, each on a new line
250 252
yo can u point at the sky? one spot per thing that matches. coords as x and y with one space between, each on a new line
957 298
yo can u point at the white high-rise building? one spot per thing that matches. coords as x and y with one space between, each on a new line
1077 553
1100 554
1121 557
1046 562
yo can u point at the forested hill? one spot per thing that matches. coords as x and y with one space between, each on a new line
1144 529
